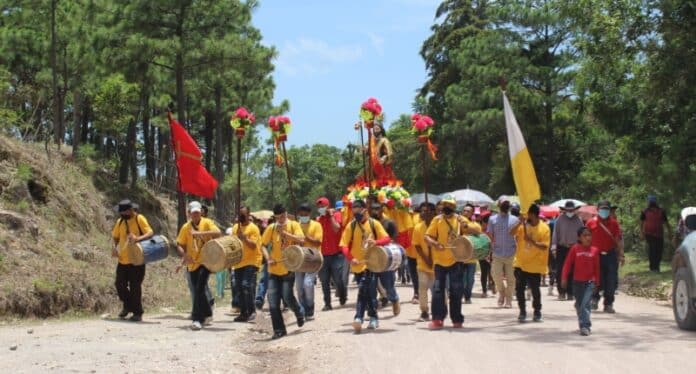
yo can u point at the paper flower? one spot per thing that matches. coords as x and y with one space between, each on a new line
422 126
241 120
371 112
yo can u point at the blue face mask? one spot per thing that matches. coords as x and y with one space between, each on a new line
358 216
303 219
604 213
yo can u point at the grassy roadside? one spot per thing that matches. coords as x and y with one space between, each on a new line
637 280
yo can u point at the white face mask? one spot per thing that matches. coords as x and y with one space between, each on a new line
303 219
321 210
570 214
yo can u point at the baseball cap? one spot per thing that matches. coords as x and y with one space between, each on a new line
322 201
604 204
194 206
449 199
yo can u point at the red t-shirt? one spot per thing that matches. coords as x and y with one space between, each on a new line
600 237
583 262
331 239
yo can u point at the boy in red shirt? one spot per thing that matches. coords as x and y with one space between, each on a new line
583 262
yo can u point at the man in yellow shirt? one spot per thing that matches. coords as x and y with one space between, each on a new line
304 282
192 235
129 228
245 271
441 230
281 234
358 235
470 265
424 258
531 260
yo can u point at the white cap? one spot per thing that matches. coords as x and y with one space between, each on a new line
194 206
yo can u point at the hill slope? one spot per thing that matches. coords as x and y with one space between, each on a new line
55 223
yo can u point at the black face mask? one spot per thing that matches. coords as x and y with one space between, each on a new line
505 208
447 210
242 218
125 217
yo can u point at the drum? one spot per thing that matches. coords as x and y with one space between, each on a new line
150 250
462 249
382 259
482 245
302 259
221 253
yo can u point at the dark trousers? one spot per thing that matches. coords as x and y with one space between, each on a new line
533 280
201 305
413 271
245 287
129 281
367 295
561 254
455 275
332 268
656 245
552 271
608 275
485 274
281 287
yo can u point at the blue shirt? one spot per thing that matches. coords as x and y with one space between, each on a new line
499 225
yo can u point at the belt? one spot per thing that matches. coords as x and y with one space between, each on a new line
604 253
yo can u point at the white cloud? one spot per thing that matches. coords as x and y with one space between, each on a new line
307 56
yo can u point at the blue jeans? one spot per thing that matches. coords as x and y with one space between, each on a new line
367 295
333 269
280 286
201 304
583 297
455 275
388 281
263 285
468 278
245 285
609 275
220 281
304 283
192 289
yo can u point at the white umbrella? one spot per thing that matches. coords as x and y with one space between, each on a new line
513 199
418 198
468 195
561 203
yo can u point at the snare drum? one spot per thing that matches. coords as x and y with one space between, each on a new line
462 249
150 250
383 259
302 259
221 253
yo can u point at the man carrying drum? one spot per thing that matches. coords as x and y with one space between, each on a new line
334 262
245 271
387 278
424 258
192 235
281 234
130 228
304 282
361 233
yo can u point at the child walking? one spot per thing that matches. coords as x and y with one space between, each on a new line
583 262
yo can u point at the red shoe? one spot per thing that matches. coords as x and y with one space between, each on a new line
458 325
435 324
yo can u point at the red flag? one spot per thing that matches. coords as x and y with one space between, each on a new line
193 178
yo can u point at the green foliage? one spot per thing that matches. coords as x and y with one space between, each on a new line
24 172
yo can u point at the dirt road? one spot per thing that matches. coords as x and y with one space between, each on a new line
640 338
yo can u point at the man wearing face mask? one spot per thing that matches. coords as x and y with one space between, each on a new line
304 282
245 271
504 247
564 237
388 278
653 221
334 262
129 228
605 236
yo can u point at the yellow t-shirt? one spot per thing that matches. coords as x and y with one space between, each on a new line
120 234
251 255
272 235
402 218
472 225
529 257
419 239
353 238
440 231
313 230
191 246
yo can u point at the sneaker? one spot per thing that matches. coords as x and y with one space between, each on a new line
239 318
208 321
561 296
609 309
595 304
258 304
414 300
357 325
522 317
300 321
396 307
585 331
373 324
424 316
235 311
342 302
484 295
195 326
278 334
384 302
326 308
457 325
252 317
467 301
309 317
550 293
435 324
501 300
537 317
136 318
508 304
124 312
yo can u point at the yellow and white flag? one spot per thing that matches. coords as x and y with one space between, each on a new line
522 167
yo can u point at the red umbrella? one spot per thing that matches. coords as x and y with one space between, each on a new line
550 211
587 211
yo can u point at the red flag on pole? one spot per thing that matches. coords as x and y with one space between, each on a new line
193 178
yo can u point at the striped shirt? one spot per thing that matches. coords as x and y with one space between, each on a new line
504 244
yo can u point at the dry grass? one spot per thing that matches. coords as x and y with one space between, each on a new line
65 265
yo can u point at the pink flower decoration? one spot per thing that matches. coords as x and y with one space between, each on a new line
242 113
420 125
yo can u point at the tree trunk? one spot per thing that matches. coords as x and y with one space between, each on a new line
208 137
127 152
77 121
57 110
220 211
148 142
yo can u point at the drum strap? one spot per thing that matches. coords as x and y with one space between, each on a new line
451 229
355 223
136 223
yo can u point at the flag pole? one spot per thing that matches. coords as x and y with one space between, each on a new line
425 173
287 171
239 174
181 199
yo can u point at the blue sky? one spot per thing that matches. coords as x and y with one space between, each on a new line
333 55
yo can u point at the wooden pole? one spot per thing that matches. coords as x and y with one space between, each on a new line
369 163
287 171
425 172
239 174
359 126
